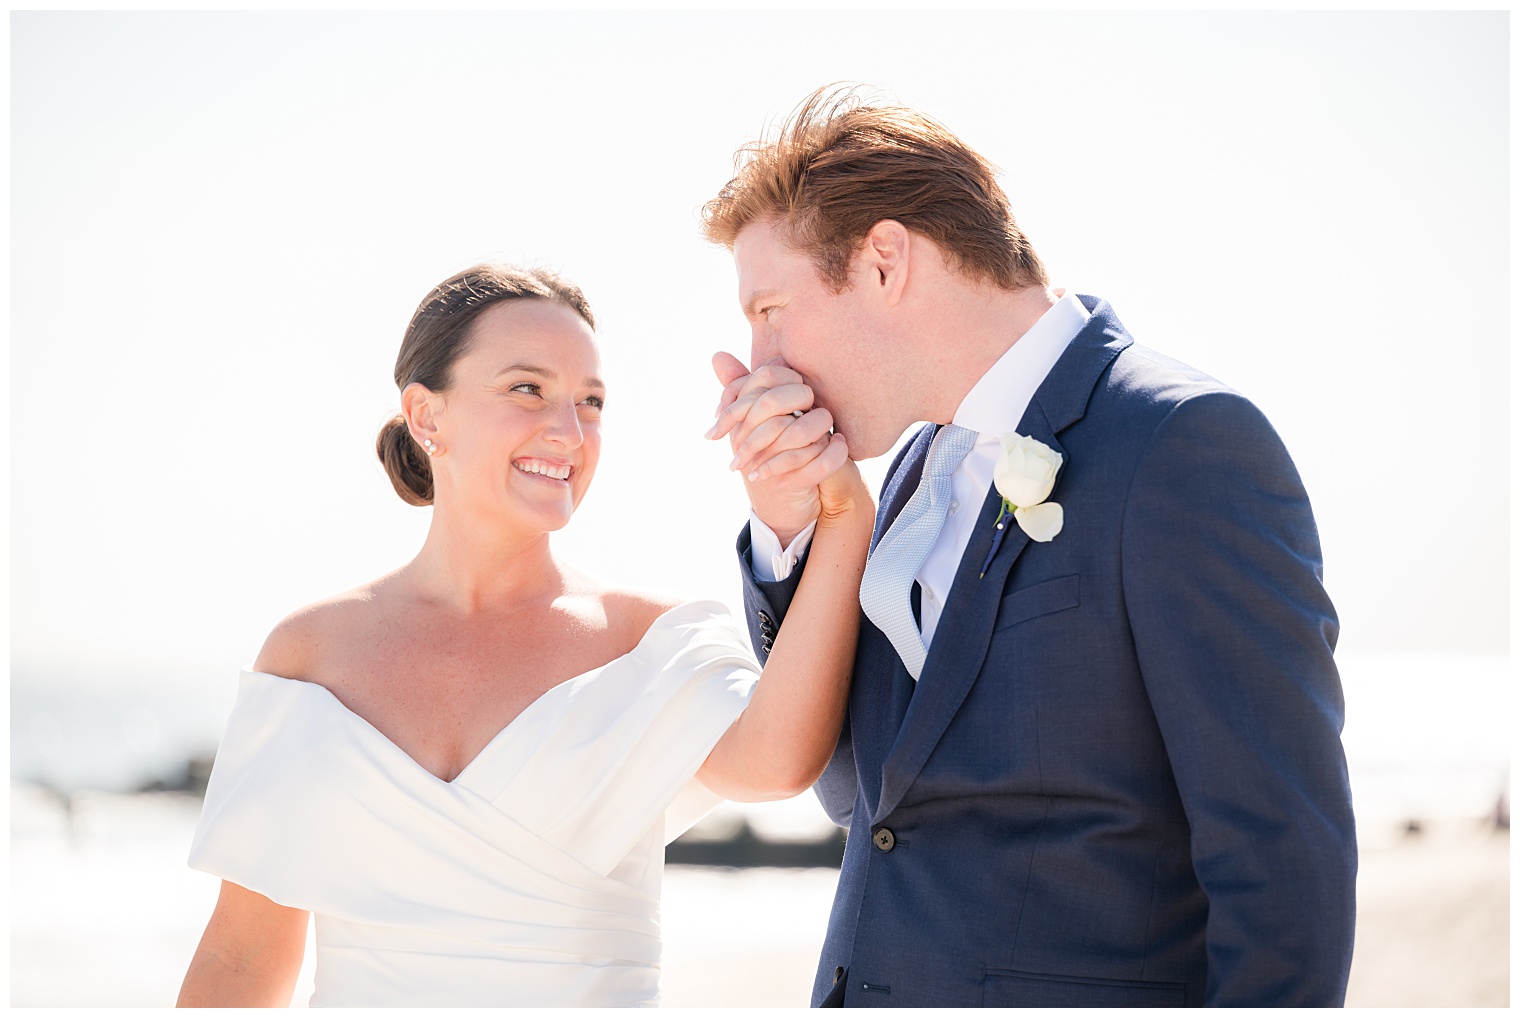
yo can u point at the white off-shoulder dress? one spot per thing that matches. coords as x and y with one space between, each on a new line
532 878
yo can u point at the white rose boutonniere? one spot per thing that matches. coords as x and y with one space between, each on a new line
1024 475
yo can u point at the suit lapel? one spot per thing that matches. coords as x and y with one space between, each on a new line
965 628
882 687
961 639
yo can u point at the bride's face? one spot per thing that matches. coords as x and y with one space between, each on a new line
520 428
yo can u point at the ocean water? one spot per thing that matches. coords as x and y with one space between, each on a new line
1426 736
76 729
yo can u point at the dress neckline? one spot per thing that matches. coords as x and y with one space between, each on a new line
328 695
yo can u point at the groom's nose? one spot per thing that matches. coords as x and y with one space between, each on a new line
763 348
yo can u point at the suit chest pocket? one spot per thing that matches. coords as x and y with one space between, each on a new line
1044 598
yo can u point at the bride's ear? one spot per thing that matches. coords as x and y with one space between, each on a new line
420 405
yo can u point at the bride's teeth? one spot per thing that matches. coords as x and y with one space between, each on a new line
545 470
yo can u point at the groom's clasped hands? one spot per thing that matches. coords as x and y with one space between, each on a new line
783 445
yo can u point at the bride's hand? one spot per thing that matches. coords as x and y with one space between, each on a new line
843 496
781 442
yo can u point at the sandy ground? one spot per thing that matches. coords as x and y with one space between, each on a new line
1433 921
110 916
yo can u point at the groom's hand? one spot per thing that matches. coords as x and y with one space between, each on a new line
782 444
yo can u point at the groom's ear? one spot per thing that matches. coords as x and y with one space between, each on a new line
886 253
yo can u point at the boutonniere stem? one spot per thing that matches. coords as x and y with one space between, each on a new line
1000 528
1024 475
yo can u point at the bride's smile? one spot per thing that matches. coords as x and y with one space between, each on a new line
548 471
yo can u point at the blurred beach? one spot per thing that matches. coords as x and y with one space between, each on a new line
104 911
108 916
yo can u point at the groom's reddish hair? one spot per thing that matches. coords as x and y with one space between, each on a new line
841 163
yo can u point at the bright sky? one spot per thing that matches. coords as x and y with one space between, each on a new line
221 224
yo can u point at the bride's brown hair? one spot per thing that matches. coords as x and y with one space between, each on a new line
439 334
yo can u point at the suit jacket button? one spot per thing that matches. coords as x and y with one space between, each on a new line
766 622
883 839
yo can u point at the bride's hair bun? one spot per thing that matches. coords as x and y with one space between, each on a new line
405 463
439 334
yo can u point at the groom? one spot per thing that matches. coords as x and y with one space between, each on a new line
1092 756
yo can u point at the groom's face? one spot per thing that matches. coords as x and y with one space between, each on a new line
833 340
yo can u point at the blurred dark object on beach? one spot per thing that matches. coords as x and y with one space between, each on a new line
741 847
191 778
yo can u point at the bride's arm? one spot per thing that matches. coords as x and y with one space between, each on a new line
250 954
781 743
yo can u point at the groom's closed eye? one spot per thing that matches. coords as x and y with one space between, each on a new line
760 303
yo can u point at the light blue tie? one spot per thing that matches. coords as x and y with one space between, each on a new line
886 587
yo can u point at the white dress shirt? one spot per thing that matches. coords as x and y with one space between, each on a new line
994 407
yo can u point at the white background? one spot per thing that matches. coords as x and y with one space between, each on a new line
221 224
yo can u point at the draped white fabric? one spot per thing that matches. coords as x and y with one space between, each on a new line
532 878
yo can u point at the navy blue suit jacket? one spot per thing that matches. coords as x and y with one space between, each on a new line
1119 779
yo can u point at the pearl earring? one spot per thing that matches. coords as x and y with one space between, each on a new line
432 450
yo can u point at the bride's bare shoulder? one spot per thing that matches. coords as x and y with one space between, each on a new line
641 607
628 610
299 644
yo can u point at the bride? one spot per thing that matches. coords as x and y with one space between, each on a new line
468 769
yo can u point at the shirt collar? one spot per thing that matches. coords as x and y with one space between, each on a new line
996 403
